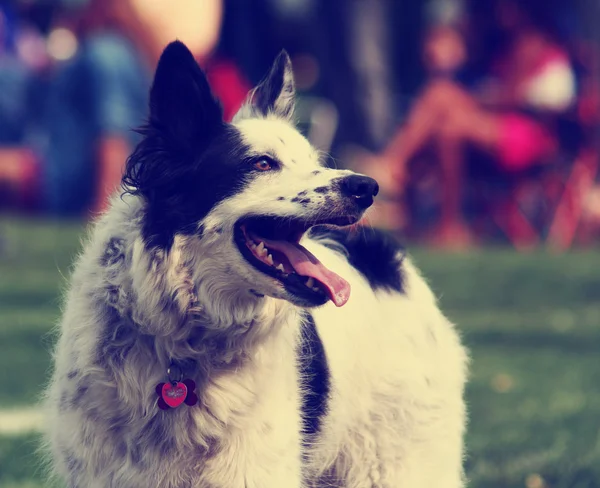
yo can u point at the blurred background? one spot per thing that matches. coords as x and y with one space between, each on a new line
479 118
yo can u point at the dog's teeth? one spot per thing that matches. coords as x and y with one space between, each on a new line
270 259
280 267
310 282
260 249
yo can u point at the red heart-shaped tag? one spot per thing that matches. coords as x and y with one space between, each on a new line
174 395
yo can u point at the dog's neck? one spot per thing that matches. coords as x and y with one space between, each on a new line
210 345
175 298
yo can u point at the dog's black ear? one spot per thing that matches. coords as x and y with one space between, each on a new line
182 106
276 93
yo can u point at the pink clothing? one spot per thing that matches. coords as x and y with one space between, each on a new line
523 141
549 87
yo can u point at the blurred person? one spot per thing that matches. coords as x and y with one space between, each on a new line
443 56
530 81
99 96
22 59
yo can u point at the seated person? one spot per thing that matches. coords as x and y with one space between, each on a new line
533 76
21 61
100 96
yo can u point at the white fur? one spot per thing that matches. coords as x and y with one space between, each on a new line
396 414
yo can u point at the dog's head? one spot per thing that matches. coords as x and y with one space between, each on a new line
245 191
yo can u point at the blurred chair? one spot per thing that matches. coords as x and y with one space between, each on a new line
557 188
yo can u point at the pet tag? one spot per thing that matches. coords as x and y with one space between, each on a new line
174 395
175 392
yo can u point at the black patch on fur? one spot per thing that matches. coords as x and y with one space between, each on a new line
315 378
302 193
301 201
79 394
189 159
200 231
280 198
316 172
157 433
114 252
117 339
72 374
179 196
256 294
74 465
329 201
113 295
371 251
321 189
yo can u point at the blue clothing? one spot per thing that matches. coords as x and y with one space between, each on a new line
102 91
16 81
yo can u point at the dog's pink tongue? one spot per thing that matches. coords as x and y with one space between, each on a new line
306 264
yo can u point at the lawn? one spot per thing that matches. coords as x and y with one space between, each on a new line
532 323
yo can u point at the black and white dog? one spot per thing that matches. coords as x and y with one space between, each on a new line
213 338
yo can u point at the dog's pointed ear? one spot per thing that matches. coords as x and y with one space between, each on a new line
182 106
275 94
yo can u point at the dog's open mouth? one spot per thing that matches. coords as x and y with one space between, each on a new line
271 244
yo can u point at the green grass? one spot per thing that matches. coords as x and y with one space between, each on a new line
532 323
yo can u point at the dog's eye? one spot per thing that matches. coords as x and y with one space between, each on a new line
263 165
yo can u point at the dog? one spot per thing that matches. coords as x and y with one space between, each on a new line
230 324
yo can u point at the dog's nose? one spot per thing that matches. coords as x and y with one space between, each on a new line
361 188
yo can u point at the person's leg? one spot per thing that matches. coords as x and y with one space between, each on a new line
452 230
94 101
427 116
452 117
439 101
476 127
67 167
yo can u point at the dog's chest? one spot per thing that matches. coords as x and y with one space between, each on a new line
251 419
